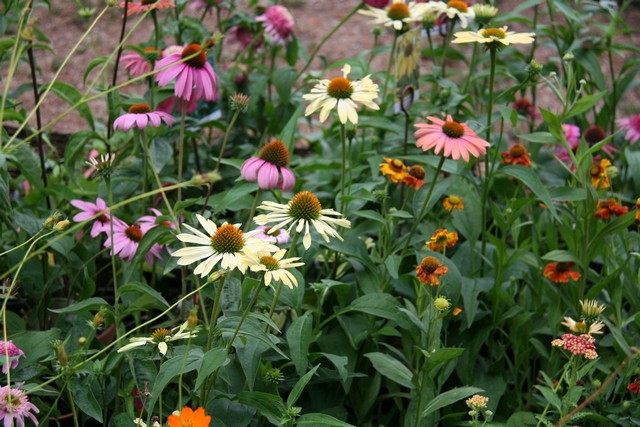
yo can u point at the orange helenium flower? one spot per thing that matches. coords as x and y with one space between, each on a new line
189 418
453 202
560 272
606 208
517 155
441 239
598 172
414 177
429 270
395 168
145 5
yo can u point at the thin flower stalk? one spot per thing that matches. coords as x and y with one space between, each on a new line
114 270
276 295
236 113
114 79
246 312
389 62
327 37
418 218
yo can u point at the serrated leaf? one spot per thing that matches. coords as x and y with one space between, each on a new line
391 368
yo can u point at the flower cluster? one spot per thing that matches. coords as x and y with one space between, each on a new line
442 239
398 172
577 345
560 272
126 238
15 407
606 208
429 270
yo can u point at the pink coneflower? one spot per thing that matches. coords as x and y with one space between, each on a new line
148 222
456 139
632 124
194 77
279 236
139 64
278 24
89 211
269 168
139 116
9 348
380 4
92 155
243 36
15 406
572 135
126 239
174 103
525 108
145 5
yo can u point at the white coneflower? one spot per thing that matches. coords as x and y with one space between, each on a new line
274 266
342 94
454 9
398 14
301 211
494 37
160 337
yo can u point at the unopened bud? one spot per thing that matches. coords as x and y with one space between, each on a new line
52 220
98 318
205 178
192 320
61 354
239 102
212 41
441 304
612 171
82 341
61 225
568 57
534 69
351 133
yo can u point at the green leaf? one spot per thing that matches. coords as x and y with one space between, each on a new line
161 152
560 256
391 368
28 163
171 369
393 264
584 104
83 396
88 304
442 355
144 289
212 360
94 63
448 398
299 336
531 180
297 389
550 396
318 419
5 199
268 405
288 133
539 138
380 305
283 80
149 239
72 96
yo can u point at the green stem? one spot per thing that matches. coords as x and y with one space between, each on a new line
183 112
247 226
156 32
424 207
388 72
114 270
21 244
184 364
343 167
245 314
445 46
145 159
472 66
226 137
72 403
487 177
327 37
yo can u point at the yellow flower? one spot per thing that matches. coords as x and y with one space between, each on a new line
493 37
441 239
598 172
453 202
395 168
397 14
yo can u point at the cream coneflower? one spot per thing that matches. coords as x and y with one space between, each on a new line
342 94
494 37
274 266
301 211
454 9
397 14
225 244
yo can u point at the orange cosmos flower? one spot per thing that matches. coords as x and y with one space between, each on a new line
560 272
453 202
189 418
414 177
517 155
598 172
456 311
395 168
429 270
441 239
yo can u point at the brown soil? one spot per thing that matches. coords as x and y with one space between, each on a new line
63 26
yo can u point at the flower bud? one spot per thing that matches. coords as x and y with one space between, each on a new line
99 317
192 320
82 341
441 304
61 225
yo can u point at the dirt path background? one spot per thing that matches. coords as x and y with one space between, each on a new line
63 26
